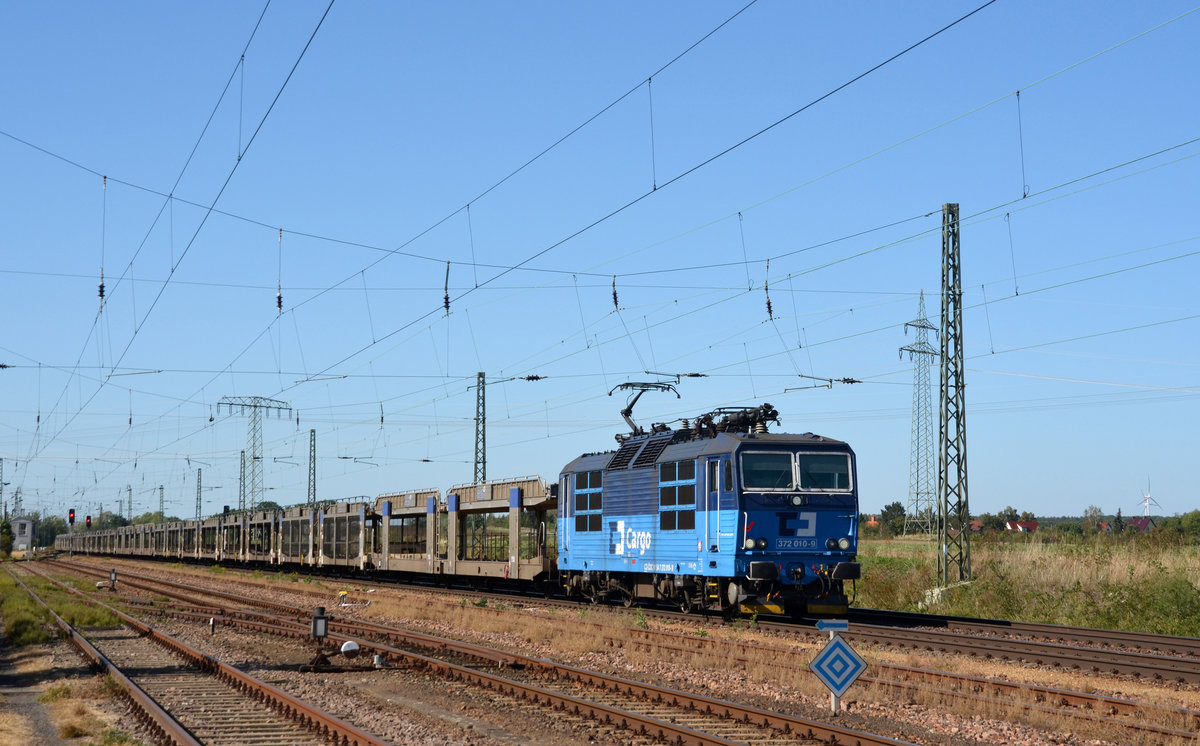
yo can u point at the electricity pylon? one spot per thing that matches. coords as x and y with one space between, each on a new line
256 405
922 498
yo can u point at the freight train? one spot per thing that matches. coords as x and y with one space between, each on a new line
717 514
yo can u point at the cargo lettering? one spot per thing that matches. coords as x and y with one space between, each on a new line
630 540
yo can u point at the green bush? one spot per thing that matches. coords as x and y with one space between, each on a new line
25 629
894 582
79 613
56 693
24 621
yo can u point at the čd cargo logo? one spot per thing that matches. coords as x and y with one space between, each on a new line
628 541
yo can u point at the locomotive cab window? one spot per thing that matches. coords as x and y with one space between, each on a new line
588 500
767 470
825 471
677 496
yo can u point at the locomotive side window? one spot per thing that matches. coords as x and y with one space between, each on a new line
767 471
825 471
588 500
677 496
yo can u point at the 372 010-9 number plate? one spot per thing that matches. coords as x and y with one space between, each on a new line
789 543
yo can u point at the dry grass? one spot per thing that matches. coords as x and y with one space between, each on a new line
1116 584
14 729
1097 559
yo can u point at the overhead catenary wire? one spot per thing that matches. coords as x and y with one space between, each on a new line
1021 141
576 271
167 199
682 175
1012 253
579 275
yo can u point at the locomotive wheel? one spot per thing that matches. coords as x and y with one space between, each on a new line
629 600
685 604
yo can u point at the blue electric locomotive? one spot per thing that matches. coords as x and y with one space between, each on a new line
717 515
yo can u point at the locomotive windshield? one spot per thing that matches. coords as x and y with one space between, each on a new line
765 470
820 471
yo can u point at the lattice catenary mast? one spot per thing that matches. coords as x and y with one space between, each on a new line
480 430
922 499
256 405
312 469
954 528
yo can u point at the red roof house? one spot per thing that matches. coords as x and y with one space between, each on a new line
1024 527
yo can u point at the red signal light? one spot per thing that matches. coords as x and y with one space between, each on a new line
71 516
89 521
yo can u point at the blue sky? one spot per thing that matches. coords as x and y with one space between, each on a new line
404 141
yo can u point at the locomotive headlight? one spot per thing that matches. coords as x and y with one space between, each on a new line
843 543
831 543
797 500
749 543
762 543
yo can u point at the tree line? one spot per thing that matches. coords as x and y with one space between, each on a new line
1186 527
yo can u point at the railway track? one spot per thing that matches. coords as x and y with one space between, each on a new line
1149 720
1145 642
212 711
1052 654
910 682
1143 655
190 698
644 710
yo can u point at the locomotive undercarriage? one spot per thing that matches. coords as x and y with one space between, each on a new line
698 593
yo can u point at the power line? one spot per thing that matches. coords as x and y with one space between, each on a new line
200 227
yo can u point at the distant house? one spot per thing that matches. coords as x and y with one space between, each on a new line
872 521
1141 523
976 526
1024 527
24 534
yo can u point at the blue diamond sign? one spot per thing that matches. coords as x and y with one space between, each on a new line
838 666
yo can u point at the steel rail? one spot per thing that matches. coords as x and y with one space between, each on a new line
314 718
1096 707
1043 653
151 714
416 639
1057 655
646 726
1179 646
339 630
1094 702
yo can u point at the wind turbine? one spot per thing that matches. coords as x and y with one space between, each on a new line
1147 500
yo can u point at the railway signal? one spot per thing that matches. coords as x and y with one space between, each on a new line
71 516
89 521
320 630
837 666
